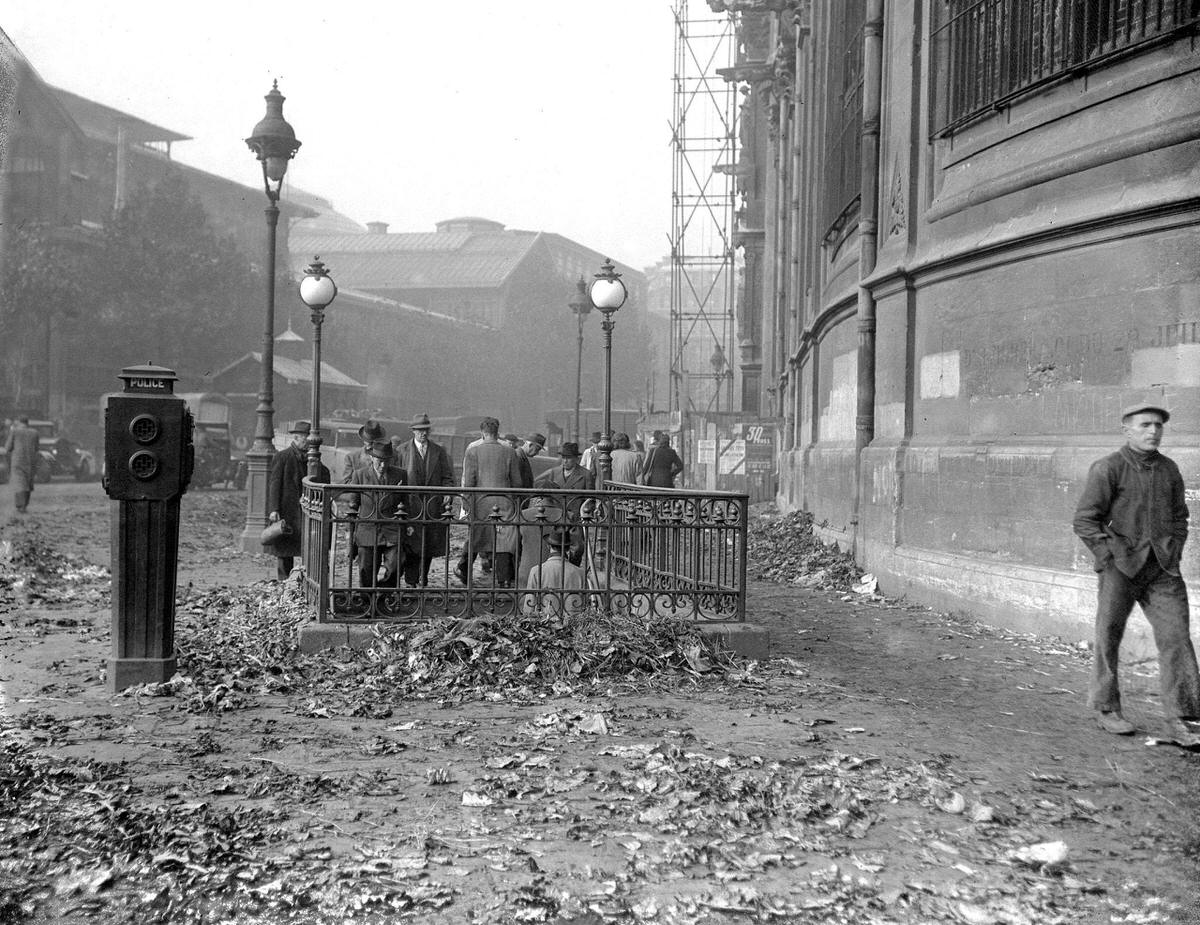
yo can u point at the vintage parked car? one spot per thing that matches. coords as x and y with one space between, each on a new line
211 440
61 456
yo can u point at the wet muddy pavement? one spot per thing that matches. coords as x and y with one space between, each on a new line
886 764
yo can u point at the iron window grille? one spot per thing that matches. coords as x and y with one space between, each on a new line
991 52
843 156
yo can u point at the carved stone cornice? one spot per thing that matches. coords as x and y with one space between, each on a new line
752 72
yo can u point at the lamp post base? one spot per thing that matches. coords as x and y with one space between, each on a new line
257 466
127 672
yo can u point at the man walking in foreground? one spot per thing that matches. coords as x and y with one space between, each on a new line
1133 518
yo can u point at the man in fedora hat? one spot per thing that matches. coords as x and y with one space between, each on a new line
569 475
424 463
378 517
369 432
1133 518
284 488
554 578
530 448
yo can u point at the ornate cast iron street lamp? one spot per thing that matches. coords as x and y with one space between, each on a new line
317 290
608 294
274 144
581 305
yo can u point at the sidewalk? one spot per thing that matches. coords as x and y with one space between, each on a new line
887 764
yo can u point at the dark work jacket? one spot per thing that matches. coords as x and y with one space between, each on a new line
1133 503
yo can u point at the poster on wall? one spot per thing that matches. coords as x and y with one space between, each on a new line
732 454
760 447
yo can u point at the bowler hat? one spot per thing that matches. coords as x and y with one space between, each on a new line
539 439
381 449
569 449
1145 406
511 438
372 430
300 427
595 437
420 422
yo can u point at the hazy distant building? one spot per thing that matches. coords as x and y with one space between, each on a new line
514 352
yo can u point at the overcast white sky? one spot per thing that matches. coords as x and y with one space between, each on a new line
548 115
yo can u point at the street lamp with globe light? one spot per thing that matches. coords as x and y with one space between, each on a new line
317 290
274 143
608 294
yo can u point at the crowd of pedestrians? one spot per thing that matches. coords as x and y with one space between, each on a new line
395 536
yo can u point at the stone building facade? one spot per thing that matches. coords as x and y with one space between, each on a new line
970 233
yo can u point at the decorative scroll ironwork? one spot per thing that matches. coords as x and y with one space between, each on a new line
637 551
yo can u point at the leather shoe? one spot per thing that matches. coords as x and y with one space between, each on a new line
1112 721
1185 732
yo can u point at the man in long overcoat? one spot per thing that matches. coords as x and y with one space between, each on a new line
379 517
570 475
22 446
424 463
284 488
489 464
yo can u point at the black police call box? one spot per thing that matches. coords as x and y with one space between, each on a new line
148 460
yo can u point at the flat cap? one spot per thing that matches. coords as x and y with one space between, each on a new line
1145 406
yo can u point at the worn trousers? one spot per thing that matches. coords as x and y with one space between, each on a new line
370 559
1163 599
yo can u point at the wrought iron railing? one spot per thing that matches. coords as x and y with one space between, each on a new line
628 549
992 51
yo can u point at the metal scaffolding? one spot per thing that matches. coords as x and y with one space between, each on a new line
704 137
